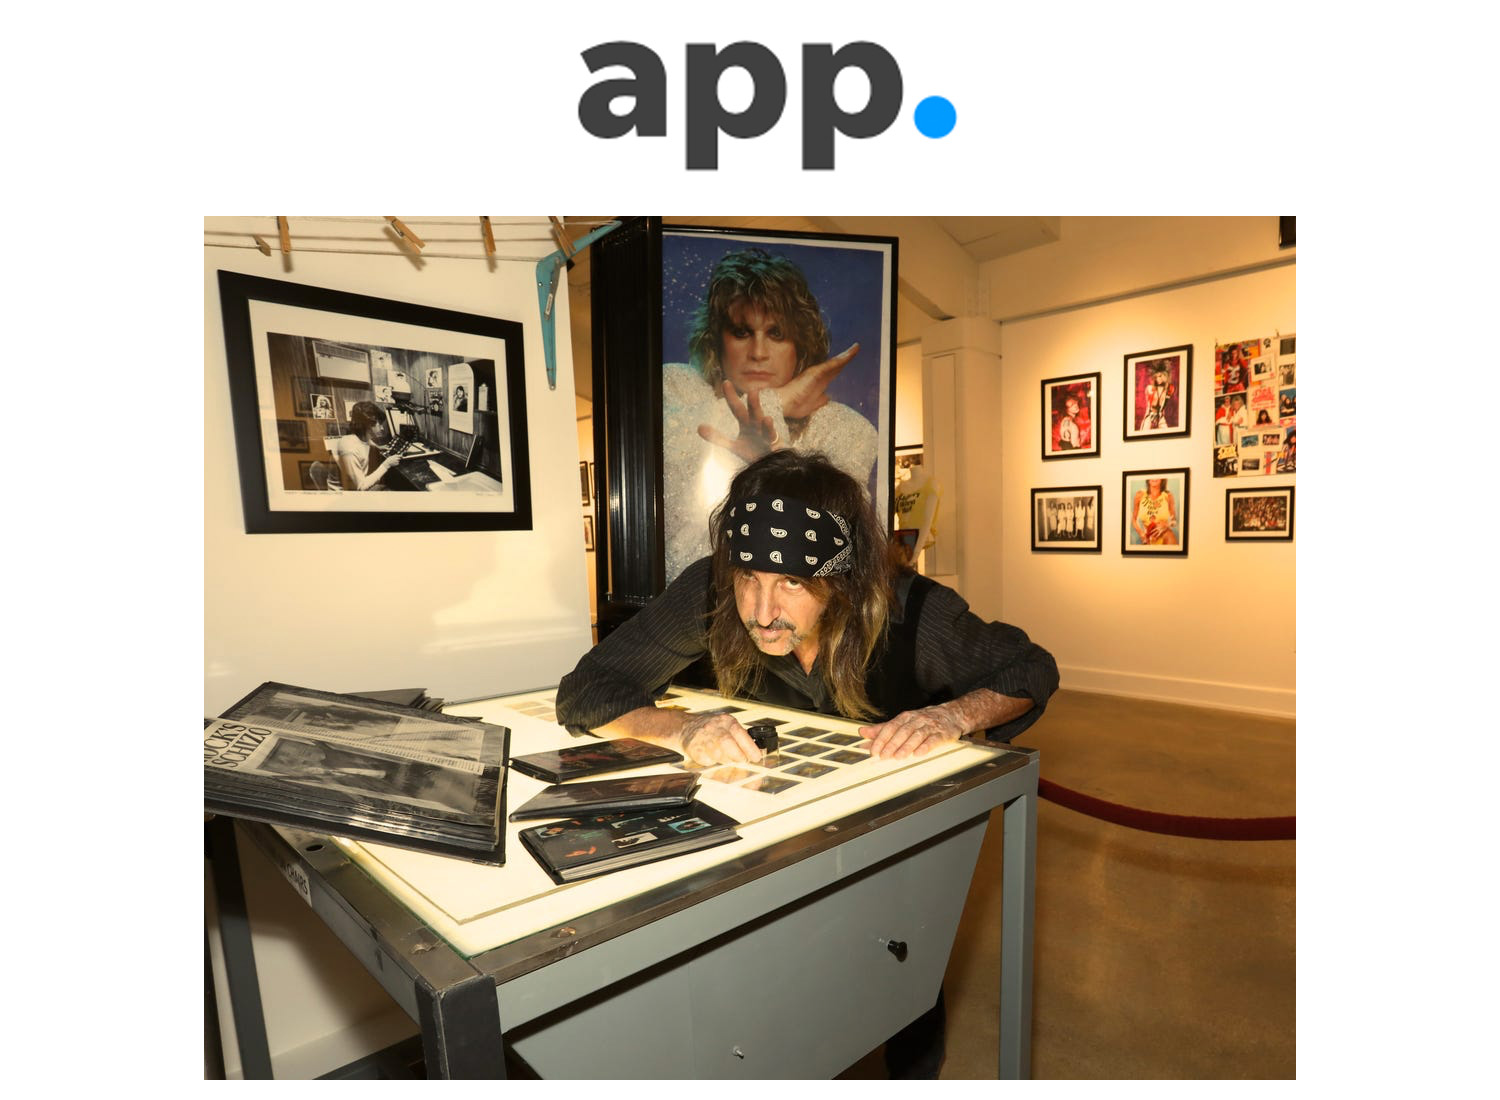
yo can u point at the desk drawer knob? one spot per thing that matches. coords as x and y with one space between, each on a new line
897 948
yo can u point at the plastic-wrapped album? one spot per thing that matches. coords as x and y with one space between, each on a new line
360 767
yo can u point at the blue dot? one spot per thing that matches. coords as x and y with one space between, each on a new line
935 117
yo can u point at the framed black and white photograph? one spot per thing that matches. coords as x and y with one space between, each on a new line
1066 518
1155 512
1070 416
583 481
347 376
1256 515
588 532
1158 393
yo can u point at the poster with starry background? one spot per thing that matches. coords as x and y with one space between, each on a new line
839 292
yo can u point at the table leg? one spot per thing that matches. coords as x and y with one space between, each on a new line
461 1031
240 974
1017 914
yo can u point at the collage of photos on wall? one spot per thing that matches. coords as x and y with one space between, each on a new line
1255 434
1255 407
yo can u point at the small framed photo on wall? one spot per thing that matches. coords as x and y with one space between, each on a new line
1070 417
1066 519
1253 515
588 532
583 481
1158 393
1155 512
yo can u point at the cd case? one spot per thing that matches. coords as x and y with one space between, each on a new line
358 767
577 761
637 792
596 844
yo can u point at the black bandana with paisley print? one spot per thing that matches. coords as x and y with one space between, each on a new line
781 534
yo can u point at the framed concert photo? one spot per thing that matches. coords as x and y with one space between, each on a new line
1155 512
1256 515
1067 519
1158 393
426 405
1070 417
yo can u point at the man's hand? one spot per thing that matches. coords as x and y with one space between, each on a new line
913 733
757 436
806 394
717 739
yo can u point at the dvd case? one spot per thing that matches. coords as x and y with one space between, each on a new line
603 796
595 844
360 767
578 761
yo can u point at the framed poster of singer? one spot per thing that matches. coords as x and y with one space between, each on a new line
770 341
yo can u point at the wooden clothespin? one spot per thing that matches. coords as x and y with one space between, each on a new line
561 237
489 235
260 243
406 234
286 236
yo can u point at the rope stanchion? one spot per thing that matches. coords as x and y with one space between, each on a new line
1203 828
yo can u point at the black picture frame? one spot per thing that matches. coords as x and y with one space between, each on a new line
1152 410
1170 517
583 481
1082 438
1067 519
634 320
1260 515
267 321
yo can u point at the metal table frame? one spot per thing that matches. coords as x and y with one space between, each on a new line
457 1000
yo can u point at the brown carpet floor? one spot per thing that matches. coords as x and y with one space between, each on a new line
1156 957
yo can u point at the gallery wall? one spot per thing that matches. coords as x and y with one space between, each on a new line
1216 627
462 614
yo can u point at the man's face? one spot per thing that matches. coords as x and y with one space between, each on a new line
779 611
758 352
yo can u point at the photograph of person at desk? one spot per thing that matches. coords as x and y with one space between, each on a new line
371 457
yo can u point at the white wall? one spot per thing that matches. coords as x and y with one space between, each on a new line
1217 627
462 614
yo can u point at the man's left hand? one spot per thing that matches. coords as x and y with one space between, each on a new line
912 733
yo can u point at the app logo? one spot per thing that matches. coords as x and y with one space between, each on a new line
644 96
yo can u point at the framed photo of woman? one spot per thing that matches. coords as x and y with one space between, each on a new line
1155 512
1158 393
1070 417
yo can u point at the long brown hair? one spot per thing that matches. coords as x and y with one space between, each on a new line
774 284
857 604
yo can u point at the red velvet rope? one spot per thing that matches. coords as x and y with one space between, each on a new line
1206 828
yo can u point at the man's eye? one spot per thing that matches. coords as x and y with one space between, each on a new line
739 332
791 582
775 333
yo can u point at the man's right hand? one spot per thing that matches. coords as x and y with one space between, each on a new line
717 739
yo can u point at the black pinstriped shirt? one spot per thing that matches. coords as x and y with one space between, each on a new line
956 652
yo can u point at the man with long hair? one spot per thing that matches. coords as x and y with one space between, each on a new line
804 603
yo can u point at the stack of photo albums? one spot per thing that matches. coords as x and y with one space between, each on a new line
361 767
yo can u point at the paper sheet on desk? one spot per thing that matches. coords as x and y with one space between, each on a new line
476 907
475 481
